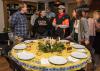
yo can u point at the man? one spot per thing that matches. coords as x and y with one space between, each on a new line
61 19
19 23
50 14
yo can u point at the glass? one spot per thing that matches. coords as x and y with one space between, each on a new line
28 48
68 43
69 49
11 36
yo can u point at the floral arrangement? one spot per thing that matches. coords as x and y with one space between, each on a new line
50 46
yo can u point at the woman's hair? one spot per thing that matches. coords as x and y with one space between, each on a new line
78 14
21 5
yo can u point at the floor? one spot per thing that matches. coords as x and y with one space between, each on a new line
4 65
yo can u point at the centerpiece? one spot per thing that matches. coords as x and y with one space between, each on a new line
51 45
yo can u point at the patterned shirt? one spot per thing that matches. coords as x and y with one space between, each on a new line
19 24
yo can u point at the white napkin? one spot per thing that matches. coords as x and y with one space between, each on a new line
72 59
44 61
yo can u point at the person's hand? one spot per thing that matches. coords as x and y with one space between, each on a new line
87 42
57 26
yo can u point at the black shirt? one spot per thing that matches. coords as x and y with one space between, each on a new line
41 25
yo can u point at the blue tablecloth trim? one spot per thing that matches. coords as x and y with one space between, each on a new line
50 69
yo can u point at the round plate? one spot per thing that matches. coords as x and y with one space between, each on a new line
78 55
25 55
63 26
64 41
28 41
78 46
81 50
20 46
57 60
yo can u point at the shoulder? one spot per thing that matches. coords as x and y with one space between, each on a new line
67 16
16 14
53 13
83 19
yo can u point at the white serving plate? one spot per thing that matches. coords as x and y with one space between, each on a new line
25 55
81 50
35 41
64 41
20 46
28 41
63 26
79 55
78 46
72 43
57 60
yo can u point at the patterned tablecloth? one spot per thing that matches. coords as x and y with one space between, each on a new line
35 63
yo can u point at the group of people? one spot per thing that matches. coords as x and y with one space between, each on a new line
47 23
44 23
81 29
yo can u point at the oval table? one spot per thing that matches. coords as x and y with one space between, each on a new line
36 65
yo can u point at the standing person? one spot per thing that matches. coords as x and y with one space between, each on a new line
50 15
97 38
41 25
83 29
33 18
74 22
74 17
19 23
61 19
96 43
92 29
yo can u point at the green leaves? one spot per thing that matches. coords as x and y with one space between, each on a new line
56 47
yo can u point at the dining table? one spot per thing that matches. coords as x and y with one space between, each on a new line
28 55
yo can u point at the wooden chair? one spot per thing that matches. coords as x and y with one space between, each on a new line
4 43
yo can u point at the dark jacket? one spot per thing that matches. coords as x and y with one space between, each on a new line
42 25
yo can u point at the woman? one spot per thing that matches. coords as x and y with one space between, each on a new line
83 29
73 34
74 16
59 20
92 28
41 25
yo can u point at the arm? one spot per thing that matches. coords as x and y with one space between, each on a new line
66 22
86 30
36 25
54 22
75 24
97 25
14 19
32 20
